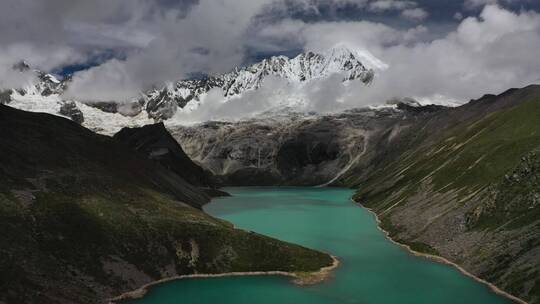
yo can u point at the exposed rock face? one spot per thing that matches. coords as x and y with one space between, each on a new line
71 110
462 183
85 218
162 106
293 150
107 107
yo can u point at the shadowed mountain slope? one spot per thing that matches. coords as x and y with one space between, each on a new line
85 218
157 144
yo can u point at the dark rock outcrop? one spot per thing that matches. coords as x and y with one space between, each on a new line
70 109
157 144
107 107
5 96
163 106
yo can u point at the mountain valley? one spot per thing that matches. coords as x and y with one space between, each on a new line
457 182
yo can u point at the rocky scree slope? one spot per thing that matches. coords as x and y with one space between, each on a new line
463 184
84 218
294 149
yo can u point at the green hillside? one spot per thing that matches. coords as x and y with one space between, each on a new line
469 192
85 218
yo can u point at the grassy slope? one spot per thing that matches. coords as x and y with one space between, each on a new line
466 165
60 239
468 156
84 218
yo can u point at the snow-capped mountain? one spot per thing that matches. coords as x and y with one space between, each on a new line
163 103
46 84
46 95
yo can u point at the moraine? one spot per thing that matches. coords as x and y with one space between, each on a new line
372 270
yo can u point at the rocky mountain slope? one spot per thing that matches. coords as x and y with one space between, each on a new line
161 103
463 183
84 218
294 149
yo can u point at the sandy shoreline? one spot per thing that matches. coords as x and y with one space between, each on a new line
442 260
299 278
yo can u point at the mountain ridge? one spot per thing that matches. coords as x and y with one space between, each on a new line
162 103
156 143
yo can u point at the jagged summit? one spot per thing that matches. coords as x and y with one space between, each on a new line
367 58
161 103
46 84
303 68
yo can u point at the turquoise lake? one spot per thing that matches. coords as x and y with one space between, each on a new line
373 270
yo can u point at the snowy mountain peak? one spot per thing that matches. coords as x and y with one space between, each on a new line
162 103
340 51
366 57
185 95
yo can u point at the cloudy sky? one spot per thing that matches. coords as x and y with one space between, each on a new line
453 50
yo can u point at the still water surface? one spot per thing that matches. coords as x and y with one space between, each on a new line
372 271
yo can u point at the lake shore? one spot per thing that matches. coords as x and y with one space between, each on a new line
442 260
299 278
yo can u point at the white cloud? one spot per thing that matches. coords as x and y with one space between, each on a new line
488 53
472 4
476 4
43 56
485 54
362 35
409 9
313 5
209 39
415 14
112 81
386 5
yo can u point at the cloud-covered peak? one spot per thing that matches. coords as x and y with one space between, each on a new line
342 50
418 48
